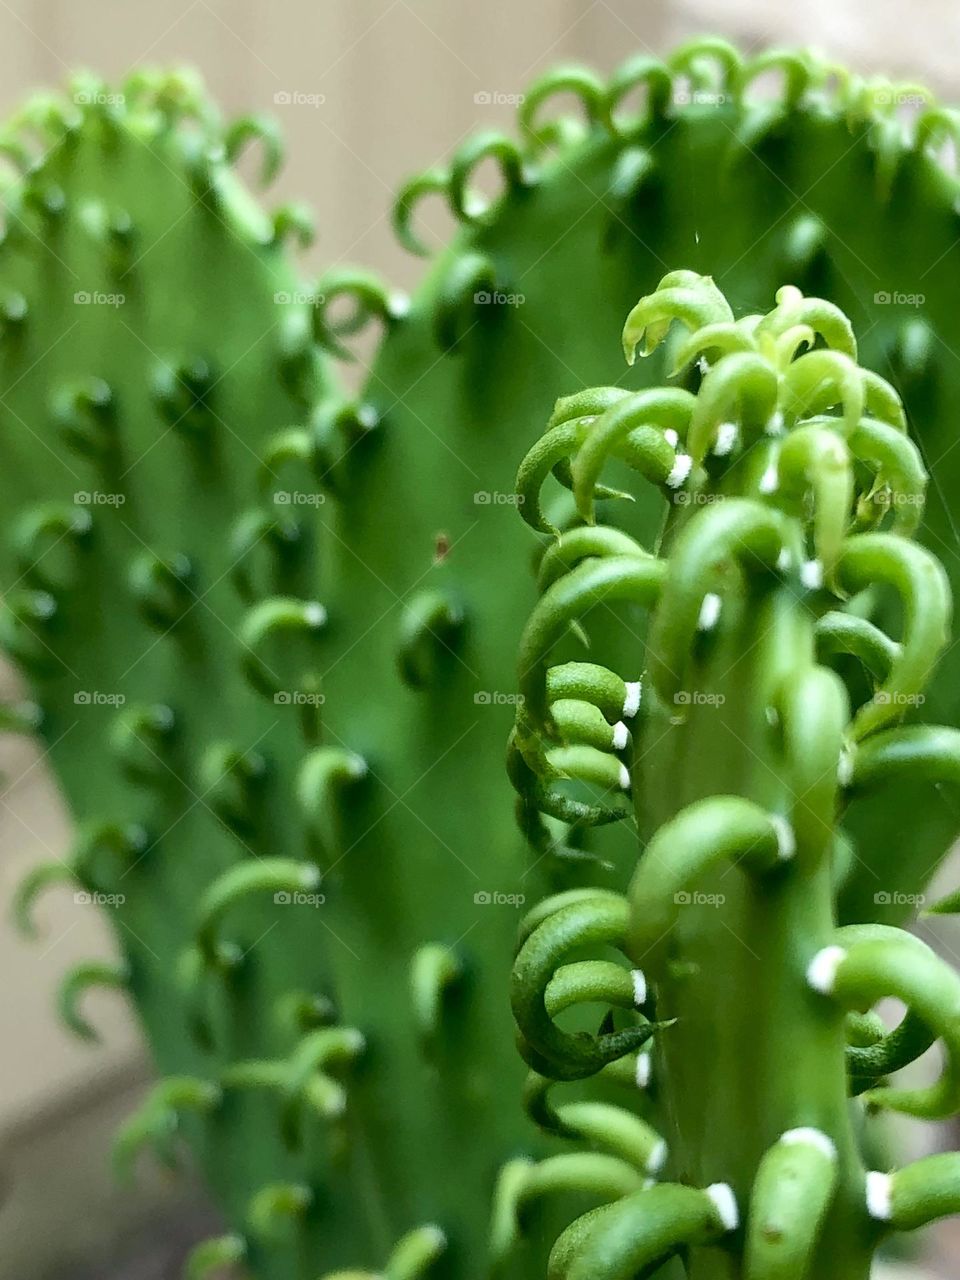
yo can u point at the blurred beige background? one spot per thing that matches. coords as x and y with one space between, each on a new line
398 81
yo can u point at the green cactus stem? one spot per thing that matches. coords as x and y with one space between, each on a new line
744 747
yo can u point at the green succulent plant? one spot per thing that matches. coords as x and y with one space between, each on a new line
796 492
270 631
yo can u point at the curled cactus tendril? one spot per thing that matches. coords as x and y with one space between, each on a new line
769 690
411 1258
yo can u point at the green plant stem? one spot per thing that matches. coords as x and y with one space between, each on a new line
754 1052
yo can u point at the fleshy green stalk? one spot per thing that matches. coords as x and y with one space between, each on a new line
788 471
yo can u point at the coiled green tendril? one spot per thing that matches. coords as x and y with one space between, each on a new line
793 490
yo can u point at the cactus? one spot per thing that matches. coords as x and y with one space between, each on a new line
301 823
795 494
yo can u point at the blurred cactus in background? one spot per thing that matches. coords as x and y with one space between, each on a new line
270 629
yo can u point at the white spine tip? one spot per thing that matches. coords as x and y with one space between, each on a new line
657 1158
398 305
644 1069
671 437
770 480
335 1107
315 615
681 468
786 840
775 424
727 433
725 1203
809 1137
639 987
783 560
709 612
703 364
631 699
880 1196
624 778
822 971
845 768
433 1235
811 575
620 736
